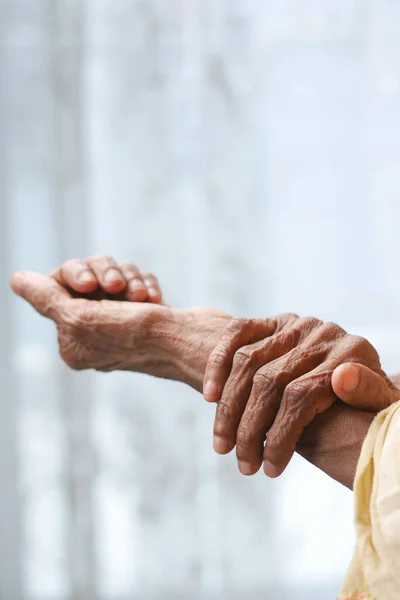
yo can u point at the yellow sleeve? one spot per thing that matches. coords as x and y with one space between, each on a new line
374 573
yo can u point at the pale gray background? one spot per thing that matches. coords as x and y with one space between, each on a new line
247 151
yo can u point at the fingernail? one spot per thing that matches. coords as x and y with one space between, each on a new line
112 276
136 285
85 277
211 390
247 468
221 445
271 470
351 379
153 292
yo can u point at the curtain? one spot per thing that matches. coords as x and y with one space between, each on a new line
247 153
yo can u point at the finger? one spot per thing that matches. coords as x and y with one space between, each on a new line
136 289
153 287
107 273
302 400
358 386
262 407
77 275
42 292
247 361
239 333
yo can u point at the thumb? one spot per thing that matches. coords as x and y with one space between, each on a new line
358 386
41 291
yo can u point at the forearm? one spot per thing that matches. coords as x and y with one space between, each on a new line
178 345
332 442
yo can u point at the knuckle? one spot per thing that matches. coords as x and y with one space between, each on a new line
104 263
129 268
150 281
245 356
225 411
295 392
333 329
235 329
356 342
293 316
138 281
231 331
246 437
266 378
360 347
236 325
306 326
147 275
218 356
290 337
311 323
224 418
288 318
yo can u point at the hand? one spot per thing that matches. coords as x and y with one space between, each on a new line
102 334
276 384
95 333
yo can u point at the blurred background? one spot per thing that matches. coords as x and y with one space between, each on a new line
248 153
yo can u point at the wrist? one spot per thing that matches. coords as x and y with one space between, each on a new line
181 341
145 348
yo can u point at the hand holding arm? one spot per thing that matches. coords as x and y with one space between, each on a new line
176 344
272 377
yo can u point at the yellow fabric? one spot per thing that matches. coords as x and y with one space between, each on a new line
374 572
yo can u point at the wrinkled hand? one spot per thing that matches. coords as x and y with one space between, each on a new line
272 377
104 335
97 332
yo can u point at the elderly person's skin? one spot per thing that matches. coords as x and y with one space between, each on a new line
176 344
273 376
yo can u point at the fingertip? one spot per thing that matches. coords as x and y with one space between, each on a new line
248 469
113 282
345 379
272 470
154 295
138 296
136 291
85 282
16 282
222 445
212 391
